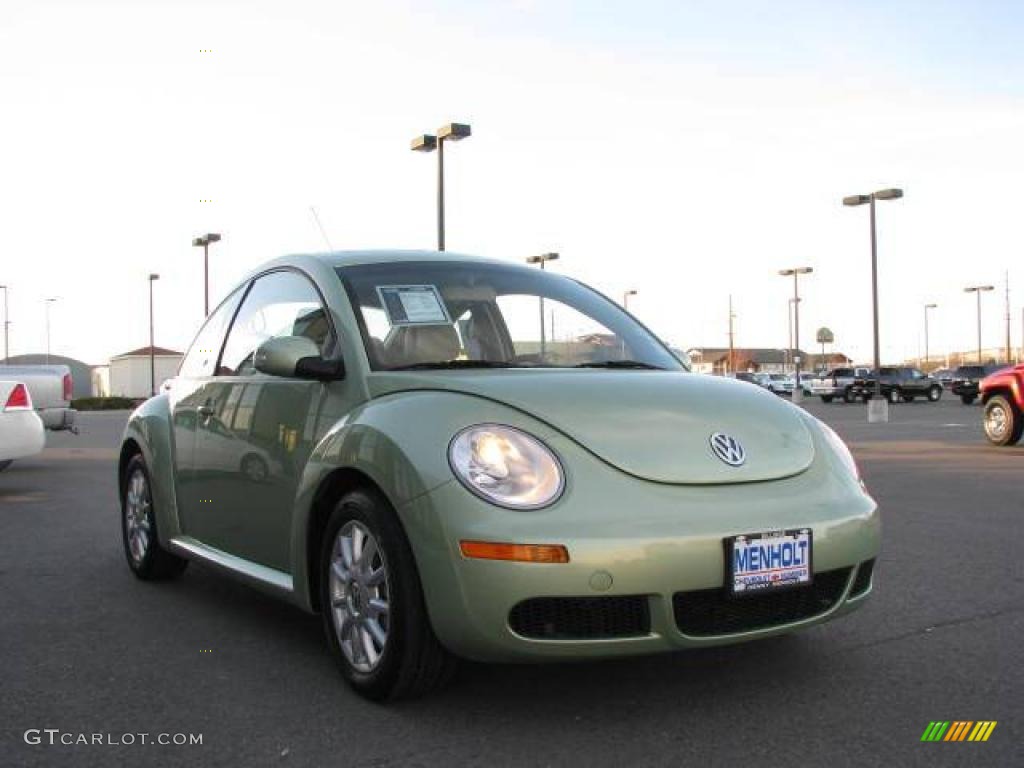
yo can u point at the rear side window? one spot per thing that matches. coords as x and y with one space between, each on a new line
202 355
283 303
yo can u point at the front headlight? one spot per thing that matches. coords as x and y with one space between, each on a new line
837 445
506 466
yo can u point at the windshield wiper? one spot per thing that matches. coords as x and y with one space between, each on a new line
439 365
635 364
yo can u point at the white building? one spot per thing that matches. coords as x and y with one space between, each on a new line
130 375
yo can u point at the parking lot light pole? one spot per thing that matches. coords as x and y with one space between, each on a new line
204 242
428 143
978 290
7 323
798 392
47 303
853 200
542 259
926 308
153 277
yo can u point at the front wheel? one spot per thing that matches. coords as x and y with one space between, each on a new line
147 559
934 394
966 399
1003 421
372 603
826 398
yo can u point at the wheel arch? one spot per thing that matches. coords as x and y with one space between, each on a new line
334 486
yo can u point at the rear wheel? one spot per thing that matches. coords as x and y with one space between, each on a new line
934 393
147 559
1003 421
967 399
372 603
826 398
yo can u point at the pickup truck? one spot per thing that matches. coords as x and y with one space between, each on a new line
50 387
1003 396
966 379
899 384
839 382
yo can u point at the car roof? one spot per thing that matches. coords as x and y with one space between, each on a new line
353 258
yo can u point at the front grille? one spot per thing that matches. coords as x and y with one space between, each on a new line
581 618
863 578
708 612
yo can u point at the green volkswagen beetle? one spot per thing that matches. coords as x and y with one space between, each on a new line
447 456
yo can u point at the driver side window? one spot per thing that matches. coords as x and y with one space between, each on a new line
282 303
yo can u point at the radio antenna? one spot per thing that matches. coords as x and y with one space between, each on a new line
320 226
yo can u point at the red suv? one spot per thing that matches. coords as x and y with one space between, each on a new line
1003 396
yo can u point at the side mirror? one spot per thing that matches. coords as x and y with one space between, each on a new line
295 357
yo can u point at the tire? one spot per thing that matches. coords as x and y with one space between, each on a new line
5 464
826 398
848 396
1003 421
908 398
934 393
147 559
967 399
409 659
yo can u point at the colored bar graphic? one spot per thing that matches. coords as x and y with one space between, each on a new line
958 730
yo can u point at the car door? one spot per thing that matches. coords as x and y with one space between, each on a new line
258 431
185 399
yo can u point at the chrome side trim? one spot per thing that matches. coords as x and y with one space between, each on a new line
257 575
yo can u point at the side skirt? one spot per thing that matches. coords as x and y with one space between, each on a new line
260 576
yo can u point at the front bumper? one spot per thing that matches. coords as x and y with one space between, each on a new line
627 537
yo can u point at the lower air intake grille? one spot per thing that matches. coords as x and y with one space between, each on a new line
708 612
863 579
581 618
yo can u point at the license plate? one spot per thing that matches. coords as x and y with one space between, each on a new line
774 560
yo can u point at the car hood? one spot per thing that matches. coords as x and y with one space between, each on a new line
656 425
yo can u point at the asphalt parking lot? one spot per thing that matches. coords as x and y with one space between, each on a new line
87 648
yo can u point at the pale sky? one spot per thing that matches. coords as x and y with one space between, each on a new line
687 150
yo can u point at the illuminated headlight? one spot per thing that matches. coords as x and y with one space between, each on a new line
506 466
837 445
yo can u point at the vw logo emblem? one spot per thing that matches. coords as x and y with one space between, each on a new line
728 449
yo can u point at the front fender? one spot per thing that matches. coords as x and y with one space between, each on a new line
149 427
400 442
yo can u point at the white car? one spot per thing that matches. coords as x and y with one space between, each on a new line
21 429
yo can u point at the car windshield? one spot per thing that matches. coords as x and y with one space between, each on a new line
456 315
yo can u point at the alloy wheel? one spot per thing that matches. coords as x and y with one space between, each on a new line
997 421
360 596
138 515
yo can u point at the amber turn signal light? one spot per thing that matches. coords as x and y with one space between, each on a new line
523 553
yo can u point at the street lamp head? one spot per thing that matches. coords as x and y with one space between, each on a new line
856 199
796 271
198 242
213 237
888 194
975 288
930 306
630 292
153 276
454 132
541 258
424 143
